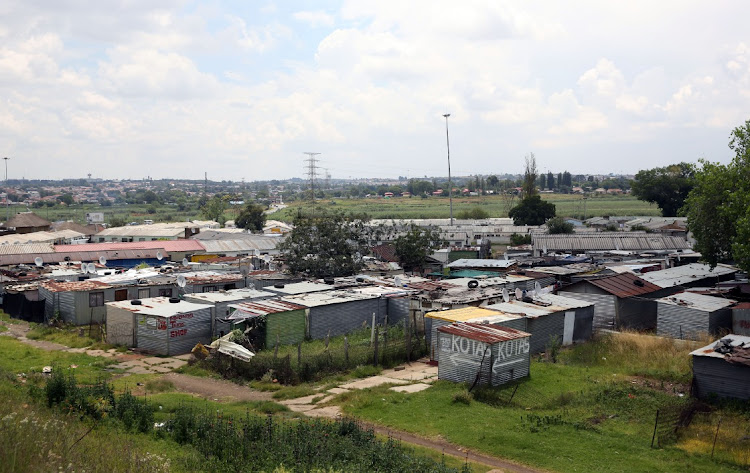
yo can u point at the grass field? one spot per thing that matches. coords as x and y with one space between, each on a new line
567 205
593 411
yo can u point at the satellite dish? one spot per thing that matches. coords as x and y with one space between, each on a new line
102 260
83 268
519 294
91 267
159 256
39 261
184 261
537 287
244 271
266 258
271 267
397 281
181 281
506 297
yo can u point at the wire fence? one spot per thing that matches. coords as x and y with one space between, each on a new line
310 361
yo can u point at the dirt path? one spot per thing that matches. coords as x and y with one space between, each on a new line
215 389
451 449
19 331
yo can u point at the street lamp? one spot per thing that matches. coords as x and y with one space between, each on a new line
450 182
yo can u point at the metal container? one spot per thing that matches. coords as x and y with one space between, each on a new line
482 353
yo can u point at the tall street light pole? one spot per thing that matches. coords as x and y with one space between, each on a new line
450 182
7 195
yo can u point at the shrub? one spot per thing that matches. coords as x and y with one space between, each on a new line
463 397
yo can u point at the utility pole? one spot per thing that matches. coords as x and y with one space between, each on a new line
7 194
450 182
312 167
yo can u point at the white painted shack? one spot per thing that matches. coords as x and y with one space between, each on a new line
482 354
687 315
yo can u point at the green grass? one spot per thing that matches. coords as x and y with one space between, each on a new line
167 403
5 318
197 369
585 413
70 336
567 205
18 357
293 392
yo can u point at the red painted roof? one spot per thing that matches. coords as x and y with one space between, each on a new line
624 285
168 245
483 332
73 286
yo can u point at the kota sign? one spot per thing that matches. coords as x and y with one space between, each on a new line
467 353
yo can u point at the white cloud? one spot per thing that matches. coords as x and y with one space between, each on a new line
316 19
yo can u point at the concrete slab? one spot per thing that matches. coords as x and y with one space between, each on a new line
410 375
328 411
304 408
159 369
300 400
326 399
140 370
185 357
173 364
338 390
371 382
410 388
154 360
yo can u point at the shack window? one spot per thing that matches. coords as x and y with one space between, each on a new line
209 288
165 292
96 299
228 287
144 293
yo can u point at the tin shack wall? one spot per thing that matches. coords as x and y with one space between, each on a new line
715 377
120 326
344 317
285 327
174 335
461 359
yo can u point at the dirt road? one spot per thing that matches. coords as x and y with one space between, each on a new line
215 389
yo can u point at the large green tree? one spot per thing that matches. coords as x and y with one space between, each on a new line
529 176
413 246
532 211
252 217
214 209
326 244
667 187
718 207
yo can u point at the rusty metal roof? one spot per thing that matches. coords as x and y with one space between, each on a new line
75 286
168 245
624 285
270 306
214 278
626 241
483 333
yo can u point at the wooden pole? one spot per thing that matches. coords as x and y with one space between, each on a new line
656 423
375 351
716 435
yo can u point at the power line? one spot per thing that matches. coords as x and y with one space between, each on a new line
312 169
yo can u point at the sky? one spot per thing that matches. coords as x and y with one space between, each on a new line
240 90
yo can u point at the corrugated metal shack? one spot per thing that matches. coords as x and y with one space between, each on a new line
76 302
477 315
220 303
340 311
171 328
284 322
723 368
263 278
690 316
484 353
397 300
620 301
741 319
298 288
583 325
673 280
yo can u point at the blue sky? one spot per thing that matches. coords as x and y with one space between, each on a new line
128 89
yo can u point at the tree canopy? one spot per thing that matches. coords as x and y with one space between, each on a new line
529 176
667 187
214 209
252 217
718 207
326 244
558 225
412 247
532 211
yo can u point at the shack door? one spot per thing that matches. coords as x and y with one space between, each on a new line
568 326
121 295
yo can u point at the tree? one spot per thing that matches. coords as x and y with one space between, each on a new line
667 187
543 181
529 176
492 181
326 244
566 180
214 209
718 206
66 199
252 218
475 213
412 247
558 225
550 181
532 211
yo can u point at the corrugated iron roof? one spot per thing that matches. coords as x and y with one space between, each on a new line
697 301
213 278
27 249
260 242
75 286
689 273
737 341
27 219
271 306
482 263
461 315
483 333
609 241
624 285
167 245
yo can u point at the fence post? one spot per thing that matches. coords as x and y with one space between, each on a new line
346 350
407 333
716 435
656 423
375 351
372 330
385 341
299 355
